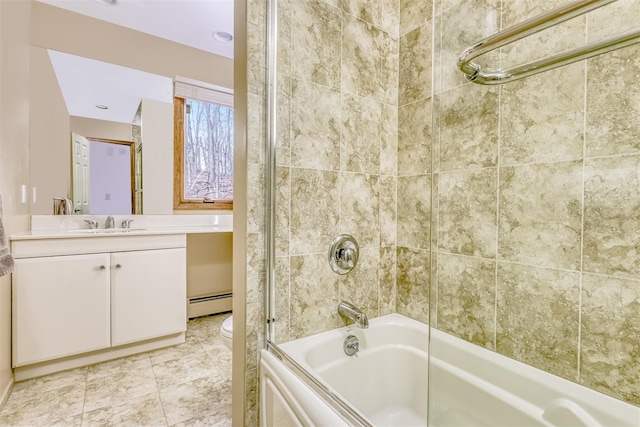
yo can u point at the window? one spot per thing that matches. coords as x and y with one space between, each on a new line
203 152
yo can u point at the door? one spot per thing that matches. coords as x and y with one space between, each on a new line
61 307
148 294
80 172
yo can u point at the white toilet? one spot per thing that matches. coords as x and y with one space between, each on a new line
226 332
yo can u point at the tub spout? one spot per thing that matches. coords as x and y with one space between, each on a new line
350 311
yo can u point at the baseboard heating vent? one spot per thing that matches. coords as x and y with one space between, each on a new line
209 304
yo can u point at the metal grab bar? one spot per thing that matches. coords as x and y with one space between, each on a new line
532 26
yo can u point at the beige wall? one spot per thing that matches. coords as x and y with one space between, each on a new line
49 135
14 149
101 129
157 157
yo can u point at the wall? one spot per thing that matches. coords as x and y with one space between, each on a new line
14 150
157 157
48 123
101 129
537 199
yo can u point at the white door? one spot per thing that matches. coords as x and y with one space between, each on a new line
80 172
148 294
60 307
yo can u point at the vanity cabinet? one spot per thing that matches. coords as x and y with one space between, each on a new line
76 296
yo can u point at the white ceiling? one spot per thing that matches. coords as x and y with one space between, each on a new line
85 82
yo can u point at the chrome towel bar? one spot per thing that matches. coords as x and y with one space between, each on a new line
531 26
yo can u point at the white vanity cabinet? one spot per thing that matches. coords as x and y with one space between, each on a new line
83 300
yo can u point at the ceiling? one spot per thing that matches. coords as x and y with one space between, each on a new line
86 83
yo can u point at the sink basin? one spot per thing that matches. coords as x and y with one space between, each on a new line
104 230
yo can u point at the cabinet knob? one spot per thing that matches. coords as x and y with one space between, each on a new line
102 267
118 266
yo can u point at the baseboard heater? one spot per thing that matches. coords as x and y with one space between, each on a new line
209 304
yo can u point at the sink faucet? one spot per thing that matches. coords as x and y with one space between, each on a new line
350 311
109 223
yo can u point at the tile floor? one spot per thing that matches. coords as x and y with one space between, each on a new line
184 385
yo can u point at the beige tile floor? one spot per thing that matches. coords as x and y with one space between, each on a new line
184 385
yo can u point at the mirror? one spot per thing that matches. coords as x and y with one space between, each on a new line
59 34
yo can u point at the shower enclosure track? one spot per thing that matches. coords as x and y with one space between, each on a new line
531 26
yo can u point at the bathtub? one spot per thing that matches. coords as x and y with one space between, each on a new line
312 382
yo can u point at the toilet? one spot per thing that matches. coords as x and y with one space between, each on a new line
226 332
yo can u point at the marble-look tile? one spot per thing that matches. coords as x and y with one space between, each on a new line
388 140
610 336
255 200
540 214
315 42
174 352
369 61
220 417
614 19
360 287
613 103
314 217
414 14
558 38
463 24
118 388
73 421
41 408
414 194
369 11
466 298
468 128
537 317
391 17
415 65
202 397
283 61
360 139
315 126
360 208
135 363
387 276
256 128
283 210
183 370
314 295
144 410
542 117
412 283
467 212
282 300
415 137
611 216
251 397
388 210
26 389
283 121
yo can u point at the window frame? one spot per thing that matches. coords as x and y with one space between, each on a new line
179 201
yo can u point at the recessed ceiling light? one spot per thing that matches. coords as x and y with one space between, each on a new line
108 2
102 107
222 36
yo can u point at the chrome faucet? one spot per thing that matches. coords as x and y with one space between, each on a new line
350 311
109 223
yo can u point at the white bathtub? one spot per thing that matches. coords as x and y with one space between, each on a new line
385 384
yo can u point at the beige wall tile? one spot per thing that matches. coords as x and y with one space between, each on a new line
282 300
467 212
610 350
540 213
414 14
412 283
360 208
283 211
315 126
387 276
537 317
388 210
391 17
360 287
468 128
414 193
283 118
611 216
315 42
613 19
613 103
415 137
360 140
314 217
466 298
389 140
542 117
367 10
314 296
415 65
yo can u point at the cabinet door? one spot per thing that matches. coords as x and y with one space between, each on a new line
61 307
148 294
